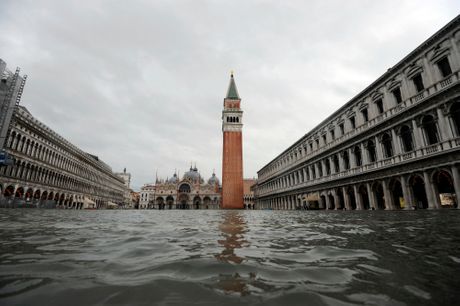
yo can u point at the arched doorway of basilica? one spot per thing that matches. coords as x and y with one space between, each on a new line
206 202
197 202
160 202
183 201
170 202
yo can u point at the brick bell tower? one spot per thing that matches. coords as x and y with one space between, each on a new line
232 161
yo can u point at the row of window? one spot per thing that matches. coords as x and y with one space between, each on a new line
233 119
342 162
35 150
29 172
380 103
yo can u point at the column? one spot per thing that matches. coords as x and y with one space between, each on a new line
408 202
336 199
328 204
364 154
359 202
443 125
396 143
387 196
418 140
378 149
346 200
456 177
371 196
432 203
304 174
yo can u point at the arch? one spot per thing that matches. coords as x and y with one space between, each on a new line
340 199
51 196
169 201
430 130
455 115
362 192
445 190
335 161
331 201
379 195
406 138
197 202
19 192
183 201
370 145
358 156
346 159
397 194
207 202
184 188
351 197
9 191
417 184
387 145
322 202
29 194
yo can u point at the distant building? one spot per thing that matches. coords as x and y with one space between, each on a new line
127 199
248 193
42 169
190 192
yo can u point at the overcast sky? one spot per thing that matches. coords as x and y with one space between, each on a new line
141 83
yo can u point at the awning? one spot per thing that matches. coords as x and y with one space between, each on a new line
88 203
111 204
312 197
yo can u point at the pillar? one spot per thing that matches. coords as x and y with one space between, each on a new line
346 200
432 203
359 201
456 178
371 196
387 196
408 201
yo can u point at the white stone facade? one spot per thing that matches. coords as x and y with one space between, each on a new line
396 145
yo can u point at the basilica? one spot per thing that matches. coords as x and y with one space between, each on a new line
190 192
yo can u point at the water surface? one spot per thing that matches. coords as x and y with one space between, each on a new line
65 257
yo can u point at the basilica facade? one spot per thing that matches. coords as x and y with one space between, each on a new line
190 192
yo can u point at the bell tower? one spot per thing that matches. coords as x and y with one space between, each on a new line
232 159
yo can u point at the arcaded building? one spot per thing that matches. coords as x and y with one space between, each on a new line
395 145
42 169
190 192
248 196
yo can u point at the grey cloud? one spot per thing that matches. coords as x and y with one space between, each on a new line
141 83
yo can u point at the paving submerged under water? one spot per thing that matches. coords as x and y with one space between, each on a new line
62 257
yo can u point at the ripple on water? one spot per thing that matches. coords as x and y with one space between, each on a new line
227 258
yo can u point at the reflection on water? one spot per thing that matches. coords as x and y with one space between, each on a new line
59 257
232 228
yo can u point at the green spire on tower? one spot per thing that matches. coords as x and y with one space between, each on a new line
232 92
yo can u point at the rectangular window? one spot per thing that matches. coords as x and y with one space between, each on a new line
317 143
332 134
311 146
444 67
324 139
397 95
352 122
365 115
379 104
418 82
342 129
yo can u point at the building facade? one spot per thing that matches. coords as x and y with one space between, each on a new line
248 196
396 145
127 198
190 192
48 171
232 153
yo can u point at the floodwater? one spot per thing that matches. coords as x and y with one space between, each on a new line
177 257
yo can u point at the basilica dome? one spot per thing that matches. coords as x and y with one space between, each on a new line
192 174
213 180
174 179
